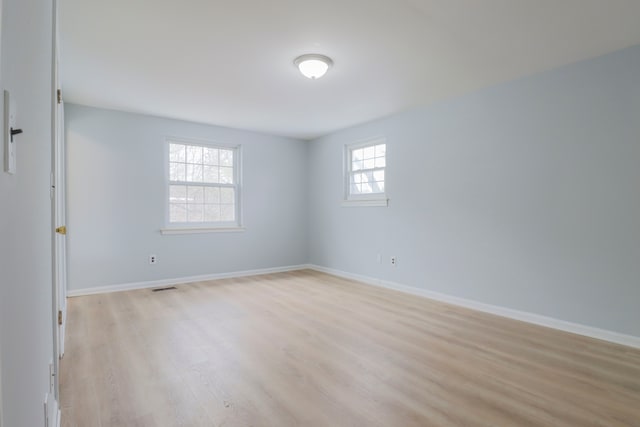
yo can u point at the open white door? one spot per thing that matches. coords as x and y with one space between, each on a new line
58 187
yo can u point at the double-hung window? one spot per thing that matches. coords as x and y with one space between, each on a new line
203 185
365 165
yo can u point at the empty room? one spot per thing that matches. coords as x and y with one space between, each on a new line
343 213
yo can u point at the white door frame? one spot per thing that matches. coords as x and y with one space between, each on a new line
60 257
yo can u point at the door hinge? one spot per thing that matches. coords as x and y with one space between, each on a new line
60 317
62 229
59 96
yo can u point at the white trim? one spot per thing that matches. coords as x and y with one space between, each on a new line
536 319
365 202
365 142
52 413
181 280
198 230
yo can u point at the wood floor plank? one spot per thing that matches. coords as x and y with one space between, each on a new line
309 349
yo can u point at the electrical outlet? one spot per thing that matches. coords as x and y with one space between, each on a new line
153 259
394 261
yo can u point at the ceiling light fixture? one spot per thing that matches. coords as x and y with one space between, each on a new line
312 65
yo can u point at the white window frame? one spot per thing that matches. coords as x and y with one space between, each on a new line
374 199
204 227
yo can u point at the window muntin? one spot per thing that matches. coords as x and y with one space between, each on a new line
366 164
203 184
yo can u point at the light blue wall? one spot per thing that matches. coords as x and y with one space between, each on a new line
116 202
26 288
525 195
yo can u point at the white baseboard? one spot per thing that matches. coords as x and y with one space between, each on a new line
576 328
180 280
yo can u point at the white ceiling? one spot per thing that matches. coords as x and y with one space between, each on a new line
230 63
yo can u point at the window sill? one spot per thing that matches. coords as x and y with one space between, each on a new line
200 230
366 202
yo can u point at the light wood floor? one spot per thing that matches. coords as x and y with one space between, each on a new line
308 349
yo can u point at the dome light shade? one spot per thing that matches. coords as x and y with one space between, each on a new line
313 66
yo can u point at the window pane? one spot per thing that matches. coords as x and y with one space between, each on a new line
363 177
226 157
195 194
210 156
194 173
202 169
177 153
176 171
195 213
177 212
227 195
212 195
177 194
211 174
369 152
226 175
227 213
369 164
194 154
212 213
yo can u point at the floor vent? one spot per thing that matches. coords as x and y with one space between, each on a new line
170 288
